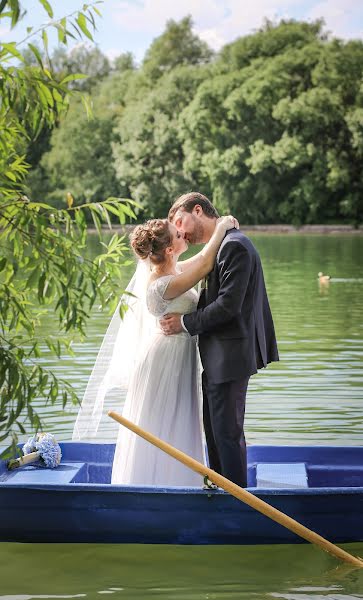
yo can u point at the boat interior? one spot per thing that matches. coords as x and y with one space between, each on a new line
269 467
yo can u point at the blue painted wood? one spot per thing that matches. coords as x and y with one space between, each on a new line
76 503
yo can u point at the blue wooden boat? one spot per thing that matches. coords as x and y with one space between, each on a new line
319 486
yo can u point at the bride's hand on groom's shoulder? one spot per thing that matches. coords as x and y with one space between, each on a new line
227 222
171 324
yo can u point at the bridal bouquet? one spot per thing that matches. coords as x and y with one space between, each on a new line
42 448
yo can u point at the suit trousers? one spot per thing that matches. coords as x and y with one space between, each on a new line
223 416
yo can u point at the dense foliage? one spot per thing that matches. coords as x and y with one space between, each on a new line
44 269
271 127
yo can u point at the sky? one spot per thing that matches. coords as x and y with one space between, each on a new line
131 25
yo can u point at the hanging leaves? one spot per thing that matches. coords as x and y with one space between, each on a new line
42 267
47 7
82 22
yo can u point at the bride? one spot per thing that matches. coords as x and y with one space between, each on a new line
164 390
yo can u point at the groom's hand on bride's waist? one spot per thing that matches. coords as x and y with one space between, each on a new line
171 324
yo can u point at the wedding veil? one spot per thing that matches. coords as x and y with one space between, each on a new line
124 340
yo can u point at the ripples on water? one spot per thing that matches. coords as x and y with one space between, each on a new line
314 394
120 572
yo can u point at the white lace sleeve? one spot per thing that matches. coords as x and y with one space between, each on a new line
155 301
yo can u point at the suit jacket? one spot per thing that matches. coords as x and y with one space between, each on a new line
233 319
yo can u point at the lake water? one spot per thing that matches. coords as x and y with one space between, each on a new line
314 395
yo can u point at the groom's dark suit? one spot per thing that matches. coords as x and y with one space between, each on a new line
236 337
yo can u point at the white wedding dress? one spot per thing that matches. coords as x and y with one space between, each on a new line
164 397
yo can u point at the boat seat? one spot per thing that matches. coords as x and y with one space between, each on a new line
281 475
65 473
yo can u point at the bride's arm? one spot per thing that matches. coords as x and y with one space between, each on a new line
204 261
183 265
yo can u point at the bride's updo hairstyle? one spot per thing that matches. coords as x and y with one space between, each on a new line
151 239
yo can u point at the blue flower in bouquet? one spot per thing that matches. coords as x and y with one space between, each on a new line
29 446
42 449
46 448
49 450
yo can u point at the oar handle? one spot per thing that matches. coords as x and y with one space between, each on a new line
240 493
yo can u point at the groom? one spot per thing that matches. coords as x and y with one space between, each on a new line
235 328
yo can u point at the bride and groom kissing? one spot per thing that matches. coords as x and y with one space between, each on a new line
226 332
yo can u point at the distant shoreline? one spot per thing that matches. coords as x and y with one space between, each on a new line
286 229
319 229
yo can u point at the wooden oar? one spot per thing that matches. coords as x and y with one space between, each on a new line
241 494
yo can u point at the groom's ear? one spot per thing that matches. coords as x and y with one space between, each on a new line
197 210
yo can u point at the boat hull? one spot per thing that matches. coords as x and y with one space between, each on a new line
95 511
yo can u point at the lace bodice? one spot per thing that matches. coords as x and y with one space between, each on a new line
158 306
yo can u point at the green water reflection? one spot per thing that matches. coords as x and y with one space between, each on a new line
177 572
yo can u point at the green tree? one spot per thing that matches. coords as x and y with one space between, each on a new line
270 40
124 62
148 157
82 59
42 267
178 45
315 157
275 139
271 128
80 157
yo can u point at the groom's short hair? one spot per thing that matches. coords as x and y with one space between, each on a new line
187 202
